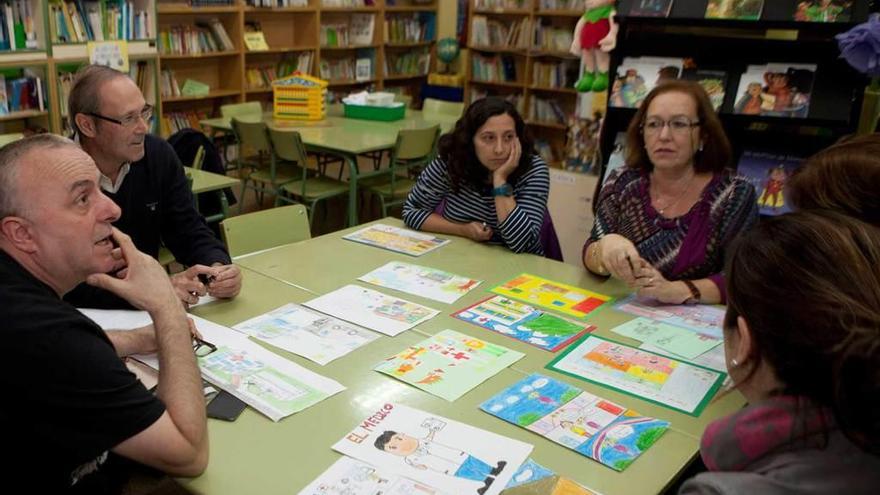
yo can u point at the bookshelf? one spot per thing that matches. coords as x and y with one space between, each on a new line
24 67
343 41
732 47
518 49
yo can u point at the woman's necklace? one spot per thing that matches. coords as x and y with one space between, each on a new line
674 201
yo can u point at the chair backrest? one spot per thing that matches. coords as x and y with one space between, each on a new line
413 144
251 108
199 158
265 229
287 145
251 135
9 138
430 106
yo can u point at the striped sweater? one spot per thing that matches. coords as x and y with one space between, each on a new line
687 247
520 231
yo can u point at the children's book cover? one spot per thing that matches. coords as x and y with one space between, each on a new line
448 364
769 172
4 101
523 322
349 476
683 343
397 239
372 309
665 381
651 8
743 10
599 429
776 90
713 81
636 77
824 11
421 281
529 472
307 333
563 298
439 452
701 318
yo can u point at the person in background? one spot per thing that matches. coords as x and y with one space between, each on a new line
664 221
142 174
844 177
490 184
73 408
803 347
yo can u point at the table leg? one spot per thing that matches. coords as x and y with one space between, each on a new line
352 189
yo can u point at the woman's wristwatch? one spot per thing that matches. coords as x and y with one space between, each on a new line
695 292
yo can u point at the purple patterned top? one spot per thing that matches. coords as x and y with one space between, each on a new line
687 247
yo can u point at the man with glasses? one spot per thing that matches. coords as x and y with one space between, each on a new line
144 176
70 401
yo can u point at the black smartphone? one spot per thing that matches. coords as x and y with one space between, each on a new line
225 406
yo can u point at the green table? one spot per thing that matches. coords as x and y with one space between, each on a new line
344 137
205 182
258 456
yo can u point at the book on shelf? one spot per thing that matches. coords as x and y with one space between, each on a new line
341 69
192 87
211 3
411 62
637 76
776 90
562 74
173 122
552 38
22 90
195 39
823 11
419 26
743 10
168 85
334 35
546 111
278 3
142 73
17 26
502 4
494 68
4 101
254 38
108 20
361 28
768 173
651 8
714 82
491 32
347 3
363 69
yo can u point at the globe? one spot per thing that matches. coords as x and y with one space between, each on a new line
447 50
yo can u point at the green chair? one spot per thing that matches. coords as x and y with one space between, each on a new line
430 107
262 179
199 159
251 110
287 145
414 149
9 138
265 229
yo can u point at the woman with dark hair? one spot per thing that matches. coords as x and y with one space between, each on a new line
664 221
802 344
844 177
492 184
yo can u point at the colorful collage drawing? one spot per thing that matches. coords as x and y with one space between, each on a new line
566 299
349 476
700 317
421 281
679 341
397 239
442 453
599 429
523 322
529 472
306 333
372 309
448 364
671 383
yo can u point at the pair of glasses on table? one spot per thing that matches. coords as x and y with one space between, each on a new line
202 348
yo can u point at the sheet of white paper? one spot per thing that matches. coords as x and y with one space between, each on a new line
264 380
421 280
372 309
451 456
349 476
307 333
701 318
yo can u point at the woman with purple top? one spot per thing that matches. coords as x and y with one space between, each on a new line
664 221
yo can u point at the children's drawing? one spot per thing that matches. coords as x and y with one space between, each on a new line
349 476
372 309
679 341
439 452
671 383
700 318
448 364
307 333
523 322
421 281
592 426
556 296
397 239
551 485
529 472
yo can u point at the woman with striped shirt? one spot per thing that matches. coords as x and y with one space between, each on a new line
486 184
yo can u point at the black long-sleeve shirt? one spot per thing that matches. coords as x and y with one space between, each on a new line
157 207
